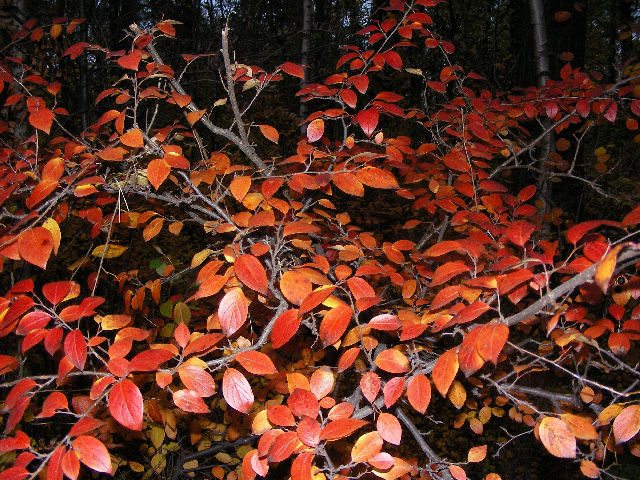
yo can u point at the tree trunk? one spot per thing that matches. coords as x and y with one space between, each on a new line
543 69
304 52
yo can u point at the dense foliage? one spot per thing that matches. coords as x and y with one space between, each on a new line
190 289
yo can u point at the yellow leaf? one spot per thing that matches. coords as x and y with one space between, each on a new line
605 269
51 225
109 251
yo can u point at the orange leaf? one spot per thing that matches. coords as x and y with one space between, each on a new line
370 386
444 371
250 271
93 454
295 286
239 187
366 447
269 133
348 183
419 392
557 438
477 454
377 178
627 424
389 428
315 130
392 361
41 118
35 246
256 362
197 380
316 297
285 327
232 311
301 466
133 138
334 324
236 390
193 117
469 358
446 272
491 340
392 391
606 267
125 404
303 403
189 401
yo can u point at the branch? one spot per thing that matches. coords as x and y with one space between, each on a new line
242 144
629 256
426 449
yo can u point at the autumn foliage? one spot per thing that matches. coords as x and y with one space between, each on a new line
292 338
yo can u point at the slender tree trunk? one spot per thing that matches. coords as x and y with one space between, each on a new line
84 103
307 11
543 69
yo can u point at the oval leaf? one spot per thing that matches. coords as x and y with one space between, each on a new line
557 438
93 454
232 311
236 390
251 272
125 404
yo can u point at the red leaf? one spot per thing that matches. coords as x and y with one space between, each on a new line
55 292
257 363
93 454
232 311
236 390
189 401
315 130
469 358
285 327
280 415
471 312
419 392
149 360
392 361
309 431
575 233
389 428
292 69
370 385
131 61
301 466
283 446
303 403
520 231
445 371
334 324
75 348
392 391
385 322
349 97
341 428
315 298
368 120
347 358
85 425
35 246
125 404
197 379
251 272
42 119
